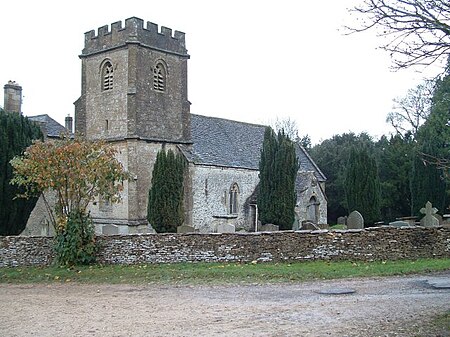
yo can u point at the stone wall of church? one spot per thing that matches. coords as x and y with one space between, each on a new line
129 215
107 115
311 202
371 244
39 223
211 196
130 105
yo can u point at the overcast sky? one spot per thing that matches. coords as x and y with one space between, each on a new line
252 61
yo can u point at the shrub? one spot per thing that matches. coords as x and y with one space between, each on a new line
75 244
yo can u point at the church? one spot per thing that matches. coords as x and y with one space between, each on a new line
134 95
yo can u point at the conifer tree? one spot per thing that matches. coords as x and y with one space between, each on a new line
332 157
16 134
362 183
266 180
278 170
433 139
165 200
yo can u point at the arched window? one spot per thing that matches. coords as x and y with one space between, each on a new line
107 76
234 194
159 77
312 210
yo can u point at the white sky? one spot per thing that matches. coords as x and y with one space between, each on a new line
251 61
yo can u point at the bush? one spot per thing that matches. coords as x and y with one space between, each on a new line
75 244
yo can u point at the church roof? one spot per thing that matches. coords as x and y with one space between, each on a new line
216 142
227 143
223 142
307 164
52 127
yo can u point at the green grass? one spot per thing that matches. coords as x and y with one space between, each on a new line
438 326
443 321
219 273
334 227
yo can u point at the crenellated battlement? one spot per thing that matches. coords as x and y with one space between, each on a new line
134 32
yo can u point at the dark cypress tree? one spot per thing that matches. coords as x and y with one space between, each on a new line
16 134
332 157
266 180
278 171
165 200
394 157
362 183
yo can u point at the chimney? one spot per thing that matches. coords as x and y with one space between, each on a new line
13 97
69 123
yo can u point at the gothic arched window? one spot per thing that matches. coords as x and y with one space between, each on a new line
234 194
312 210
107 76
159 77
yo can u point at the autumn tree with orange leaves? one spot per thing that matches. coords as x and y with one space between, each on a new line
78 171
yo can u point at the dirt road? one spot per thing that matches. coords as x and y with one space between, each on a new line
394 306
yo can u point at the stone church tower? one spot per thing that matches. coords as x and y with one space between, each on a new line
134 95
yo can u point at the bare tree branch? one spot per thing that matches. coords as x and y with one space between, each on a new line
417 32
411 111
288 126
442 164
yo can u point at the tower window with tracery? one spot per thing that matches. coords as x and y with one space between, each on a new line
107 76
159 77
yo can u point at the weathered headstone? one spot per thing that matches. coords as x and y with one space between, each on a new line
446 220
440 218
226 228
341 220
399 224
429 220
355 220
185 229
308 225
409 219
270 228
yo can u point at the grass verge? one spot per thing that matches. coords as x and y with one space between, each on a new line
219 273
439 326
443 322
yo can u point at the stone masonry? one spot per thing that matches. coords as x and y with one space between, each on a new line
371 244
134 96
120 104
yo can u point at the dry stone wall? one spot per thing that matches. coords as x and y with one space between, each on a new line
359 245
26 251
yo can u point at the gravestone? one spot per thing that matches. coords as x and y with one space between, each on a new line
440 218
355 220
429 220
409 219
308 225
341 220
446 220
270 228
226 228
399 224
185 229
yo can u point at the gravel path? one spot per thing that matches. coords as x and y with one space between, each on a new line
391 306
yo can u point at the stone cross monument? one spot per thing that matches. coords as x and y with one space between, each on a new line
429 220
